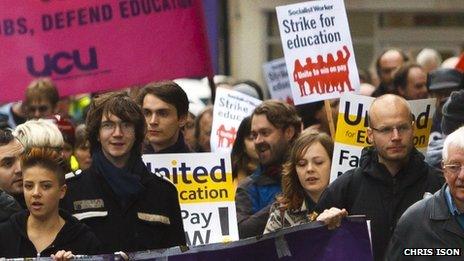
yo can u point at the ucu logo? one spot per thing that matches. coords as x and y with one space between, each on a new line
62 63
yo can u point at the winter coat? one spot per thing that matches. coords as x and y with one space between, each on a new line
73 236
371 190
427 224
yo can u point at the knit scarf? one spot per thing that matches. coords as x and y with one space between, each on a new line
124 182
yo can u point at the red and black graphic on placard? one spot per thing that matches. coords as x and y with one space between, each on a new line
323 76
224 134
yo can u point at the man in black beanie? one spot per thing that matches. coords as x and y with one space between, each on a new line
452 119
453 113
441 83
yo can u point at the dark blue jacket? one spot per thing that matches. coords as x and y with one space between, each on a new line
253 200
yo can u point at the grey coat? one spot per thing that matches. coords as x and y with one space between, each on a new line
426 224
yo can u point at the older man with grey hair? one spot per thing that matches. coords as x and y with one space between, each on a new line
436 222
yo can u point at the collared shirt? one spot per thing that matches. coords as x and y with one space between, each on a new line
453 209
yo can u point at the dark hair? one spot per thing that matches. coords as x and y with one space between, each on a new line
169 92
377 62
118 104
400 79
207 110
280 114
292 191
5 137
307 112
253 85
239 156
45 158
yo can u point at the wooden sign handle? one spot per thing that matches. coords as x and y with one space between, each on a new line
328 111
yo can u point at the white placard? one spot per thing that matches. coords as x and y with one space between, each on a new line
230 107
206 193
276 76
318 50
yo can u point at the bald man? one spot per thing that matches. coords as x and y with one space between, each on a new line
391 176
386 66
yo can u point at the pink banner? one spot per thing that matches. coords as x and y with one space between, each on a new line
92 45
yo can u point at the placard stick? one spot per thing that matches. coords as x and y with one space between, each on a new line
328 111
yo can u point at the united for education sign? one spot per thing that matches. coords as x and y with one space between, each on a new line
206 193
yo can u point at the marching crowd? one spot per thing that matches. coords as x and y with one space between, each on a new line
75 183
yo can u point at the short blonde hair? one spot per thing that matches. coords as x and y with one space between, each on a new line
39 133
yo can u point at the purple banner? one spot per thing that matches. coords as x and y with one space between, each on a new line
311 241
307 242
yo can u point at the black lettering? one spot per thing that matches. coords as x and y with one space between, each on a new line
55 62
346 115
91 65
8 27
342 156
59 20
22 27
46 71
199 172
222 169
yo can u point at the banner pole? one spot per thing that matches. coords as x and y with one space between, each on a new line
212 86
328 111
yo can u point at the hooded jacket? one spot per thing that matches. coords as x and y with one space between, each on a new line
371 190
73 236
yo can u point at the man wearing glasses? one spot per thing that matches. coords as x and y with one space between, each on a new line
127 207
41 99
437 221
392 174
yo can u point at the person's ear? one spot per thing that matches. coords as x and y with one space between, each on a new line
289 133
63 190
182 120
370 135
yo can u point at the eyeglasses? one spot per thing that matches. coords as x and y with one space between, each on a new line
454 169
110 126
388 130
41 108
387 70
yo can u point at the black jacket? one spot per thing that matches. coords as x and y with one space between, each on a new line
152 221
8 206
371 190
426 224
73 236
179 147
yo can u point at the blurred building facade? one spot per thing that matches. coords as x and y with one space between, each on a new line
253 34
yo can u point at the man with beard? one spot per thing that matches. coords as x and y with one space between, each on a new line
392 174
11 179
274 126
